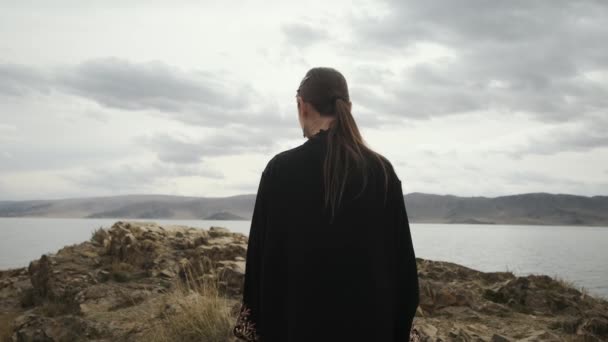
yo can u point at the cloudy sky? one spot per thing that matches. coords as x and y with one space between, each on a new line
471 98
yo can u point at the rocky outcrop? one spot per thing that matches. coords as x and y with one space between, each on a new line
114 288
462 304
98 290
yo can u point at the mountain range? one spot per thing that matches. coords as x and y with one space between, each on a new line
530 208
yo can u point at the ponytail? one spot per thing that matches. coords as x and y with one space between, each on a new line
345 150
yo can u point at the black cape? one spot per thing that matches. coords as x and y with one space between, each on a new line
309 280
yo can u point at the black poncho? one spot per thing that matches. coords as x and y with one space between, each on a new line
309 280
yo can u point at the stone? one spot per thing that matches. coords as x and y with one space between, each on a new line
216 232
597 326
427 331
167 274
498 338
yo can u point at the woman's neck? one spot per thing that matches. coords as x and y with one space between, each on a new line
322 124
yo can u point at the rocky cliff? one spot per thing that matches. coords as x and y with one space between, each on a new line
118 286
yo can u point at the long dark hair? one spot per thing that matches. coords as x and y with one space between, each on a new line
327 91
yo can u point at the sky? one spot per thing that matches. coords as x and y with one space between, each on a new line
193 98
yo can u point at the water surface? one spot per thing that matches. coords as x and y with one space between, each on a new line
576 254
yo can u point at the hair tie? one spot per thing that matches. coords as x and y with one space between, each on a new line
334 98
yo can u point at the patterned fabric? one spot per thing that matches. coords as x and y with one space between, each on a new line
245 328
414 335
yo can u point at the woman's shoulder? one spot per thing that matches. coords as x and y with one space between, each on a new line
385 164
278 162
290 158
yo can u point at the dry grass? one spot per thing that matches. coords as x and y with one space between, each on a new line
509 272
565 283
121 271
98 235
570 284
200 312
5 325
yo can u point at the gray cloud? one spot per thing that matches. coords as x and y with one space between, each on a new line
210 99
125 177
508 56
122 84
528 177
535 182
573 141
475 23
20 80
175 149
31 155
199 98
303 35
580 137
371 73
7 131
170 149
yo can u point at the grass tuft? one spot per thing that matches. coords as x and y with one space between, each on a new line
6 319
98 235
198 311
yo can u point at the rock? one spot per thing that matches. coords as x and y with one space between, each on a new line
493 309
540 335
103 275
459 334
232 273
31 327
216 232
435 295
27 328
89 254
167 274
222 252
569 325
537 294
498 338
427 331
183 243
597 326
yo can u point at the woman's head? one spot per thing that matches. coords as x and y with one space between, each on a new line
324 101
321 92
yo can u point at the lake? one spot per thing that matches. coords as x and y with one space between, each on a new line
576 254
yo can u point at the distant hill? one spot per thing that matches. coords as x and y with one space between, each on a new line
135 206
224 216
532 208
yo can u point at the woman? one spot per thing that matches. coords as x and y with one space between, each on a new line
330 255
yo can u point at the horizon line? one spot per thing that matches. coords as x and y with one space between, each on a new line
254 194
